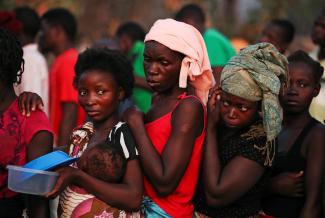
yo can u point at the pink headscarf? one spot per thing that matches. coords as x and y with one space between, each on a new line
184 38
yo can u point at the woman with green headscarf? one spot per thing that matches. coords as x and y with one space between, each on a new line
244 118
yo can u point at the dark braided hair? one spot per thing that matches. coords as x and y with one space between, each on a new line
302 57
11 58
108 61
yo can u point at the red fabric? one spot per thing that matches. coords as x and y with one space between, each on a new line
16 132
179 203
61 88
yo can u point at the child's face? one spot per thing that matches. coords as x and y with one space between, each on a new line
162 66
99 94
237 112
301 90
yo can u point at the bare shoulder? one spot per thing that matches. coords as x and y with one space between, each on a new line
190 104
316 138
189 113
317 131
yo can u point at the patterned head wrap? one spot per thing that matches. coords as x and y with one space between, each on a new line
254 74
184 38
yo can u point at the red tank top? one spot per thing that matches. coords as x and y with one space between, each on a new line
179 203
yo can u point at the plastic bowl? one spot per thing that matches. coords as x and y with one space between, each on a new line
30 181
50 161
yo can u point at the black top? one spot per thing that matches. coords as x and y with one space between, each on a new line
247 143
292 161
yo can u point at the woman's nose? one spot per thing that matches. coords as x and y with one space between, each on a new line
153 69
292 90
90 99
232 112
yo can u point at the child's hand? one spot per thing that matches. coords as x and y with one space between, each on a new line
290 184
213 106
133 115
29 101
66 177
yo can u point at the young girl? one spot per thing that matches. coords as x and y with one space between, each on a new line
169 137
244 117
296 182
22 139
103 78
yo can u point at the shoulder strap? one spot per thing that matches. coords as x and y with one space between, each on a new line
183 96
301 137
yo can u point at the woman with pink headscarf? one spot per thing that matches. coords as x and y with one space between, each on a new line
170 135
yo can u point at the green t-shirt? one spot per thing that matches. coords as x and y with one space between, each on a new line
140 96
220 49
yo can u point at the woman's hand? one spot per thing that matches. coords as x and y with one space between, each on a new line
213 106
29 101
66 176
133 116
290 184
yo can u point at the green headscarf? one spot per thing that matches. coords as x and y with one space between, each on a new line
254 75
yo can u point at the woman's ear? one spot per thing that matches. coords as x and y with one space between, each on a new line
121 94
316 90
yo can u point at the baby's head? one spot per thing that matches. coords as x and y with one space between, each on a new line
11 59
104 161
103 78
304 84
250 82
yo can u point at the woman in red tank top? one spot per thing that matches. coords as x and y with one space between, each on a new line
169 137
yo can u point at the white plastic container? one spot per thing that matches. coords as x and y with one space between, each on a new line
31 181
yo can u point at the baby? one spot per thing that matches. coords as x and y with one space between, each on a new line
103 161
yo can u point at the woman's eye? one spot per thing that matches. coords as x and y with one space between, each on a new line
165 63
82 93
146 59
243 108
225 103
302 85
100 92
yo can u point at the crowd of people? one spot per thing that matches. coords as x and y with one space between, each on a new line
168 123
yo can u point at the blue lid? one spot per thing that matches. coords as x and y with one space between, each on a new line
50 161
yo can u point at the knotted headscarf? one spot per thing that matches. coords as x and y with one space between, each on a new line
184 38
254 74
